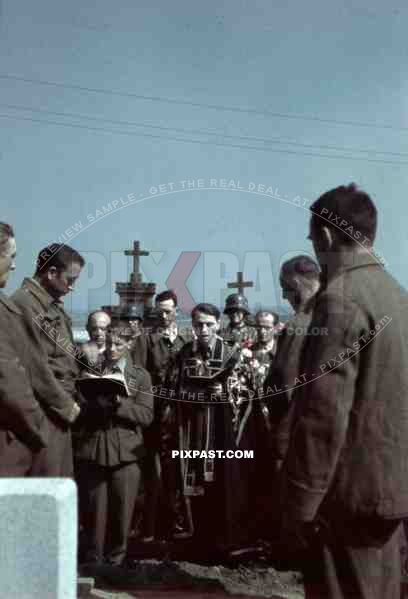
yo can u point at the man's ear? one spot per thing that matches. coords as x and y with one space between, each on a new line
328 236
52 273
218 325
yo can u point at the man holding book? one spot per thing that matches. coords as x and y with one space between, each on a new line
118 406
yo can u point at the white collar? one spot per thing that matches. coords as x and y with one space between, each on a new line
269 347
121 364
171 333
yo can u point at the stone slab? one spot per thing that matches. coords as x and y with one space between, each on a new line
38 532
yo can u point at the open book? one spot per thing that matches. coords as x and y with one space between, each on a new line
92 385
218 372
216 376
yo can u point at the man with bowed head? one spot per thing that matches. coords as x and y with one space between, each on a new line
49 326
345 475
300 281
23 427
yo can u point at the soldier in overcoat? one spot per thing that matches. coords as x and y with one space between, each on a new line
345 476
300 281
23 426
237 311
49 328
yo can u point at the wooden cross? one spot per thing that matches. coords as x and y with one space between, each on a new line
136 252
240 284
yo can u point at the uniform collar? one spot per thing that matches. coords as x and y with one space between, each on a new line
121 364
45 298
352 261
307 307
10 305
239 327
211 346
170 333
270 347
156 335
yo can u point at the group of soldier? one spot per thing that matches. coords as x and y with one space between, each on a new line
322 403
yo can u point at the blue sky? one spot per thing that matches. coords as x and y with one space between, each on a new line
101 101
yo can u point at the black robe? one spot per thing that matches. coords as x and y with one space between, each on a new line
216 490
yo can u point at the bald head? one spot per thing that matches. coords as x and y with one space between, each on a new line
97 325
300 280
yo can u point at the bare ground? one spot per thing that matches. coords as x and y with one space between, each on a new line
154 578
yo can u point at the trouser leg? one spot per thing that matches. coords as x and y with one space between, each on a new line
81 479
123 490
67 460
96 491
171 510
151 479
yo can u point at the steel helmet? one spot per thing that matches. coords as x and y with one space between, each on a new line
134 312
130 312
236 301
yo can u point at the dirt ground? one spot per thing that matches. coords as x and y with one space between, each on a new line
154 579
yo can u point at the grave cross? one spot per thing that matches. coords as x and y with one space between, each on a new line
240 284
136 252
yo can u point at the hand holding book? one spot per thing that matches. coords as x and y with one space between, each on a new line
102 394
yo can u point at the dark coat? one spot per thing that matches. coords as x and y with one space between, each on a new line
282 379
348 453
21 415
118 438
154 352
48 328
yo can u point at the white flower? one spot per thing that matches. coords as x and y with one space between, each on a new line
246 353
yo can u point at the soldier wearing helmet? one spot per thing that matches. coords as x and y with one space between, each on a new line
237 310
130 320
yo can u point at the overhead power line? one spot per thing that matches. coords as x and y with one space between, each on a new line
201 141
183 102
183 130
